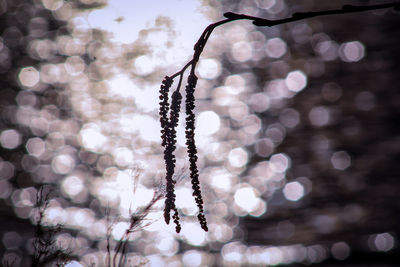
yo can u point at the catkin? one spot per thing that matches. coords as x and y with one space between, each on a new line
192 150
168 136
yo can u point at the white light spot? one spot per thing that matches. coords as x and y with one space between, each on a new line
238 157
72 185
107 195
293 191
233 253
275 48
185 201
296 81
35 146
119 230
92 138
265 4
122 86
221 180
279 163
142 196
241 51
167 245
235 84
74 65
352 51
207 123
29 76
73 264
53 5
143 65
192 258
341 160
246 199
209 68
148 127
193 234
62 164
10 139
123 156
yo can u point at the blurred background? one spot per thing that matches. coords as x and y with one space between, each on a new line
297 133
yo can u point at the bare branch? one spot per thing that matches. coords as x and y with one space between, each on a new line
168 125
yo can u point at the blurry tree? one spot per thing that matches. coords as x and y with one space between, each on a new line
37 122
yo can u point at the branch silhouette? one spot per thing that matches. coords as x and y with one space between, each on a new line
168 125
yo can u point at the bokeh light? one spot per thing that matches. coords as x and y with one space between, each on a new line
319 116
294 126
341 160
352 51
293 191
207 123
246 198
209 68
275 47
28 77
296 81
238 157
381 242
340 250
10 139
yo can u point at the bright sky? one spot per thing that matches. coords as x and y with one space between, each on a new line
125 18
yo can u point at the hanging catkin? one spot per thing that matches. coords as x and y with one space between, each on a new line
191 148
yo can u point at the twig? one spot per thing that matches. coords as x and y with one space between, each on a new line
230 16
44 243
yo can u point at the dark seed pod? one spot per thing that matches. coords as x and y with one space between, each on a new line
169 142
164 108
191 148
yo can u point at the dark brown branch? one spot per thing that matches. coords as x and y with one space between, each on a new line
230 16
304 15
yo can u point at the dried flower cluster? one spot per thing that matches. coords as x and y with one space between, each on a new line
168 136
192 150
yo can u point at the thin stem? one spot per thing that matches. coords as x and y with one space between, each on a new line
182 70
304 15
230 16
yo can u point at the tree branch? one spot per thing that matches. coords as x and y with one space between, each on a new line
230 16
305 15
169 124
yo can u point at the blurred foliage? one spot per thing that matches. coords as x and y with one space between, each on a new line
297 126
